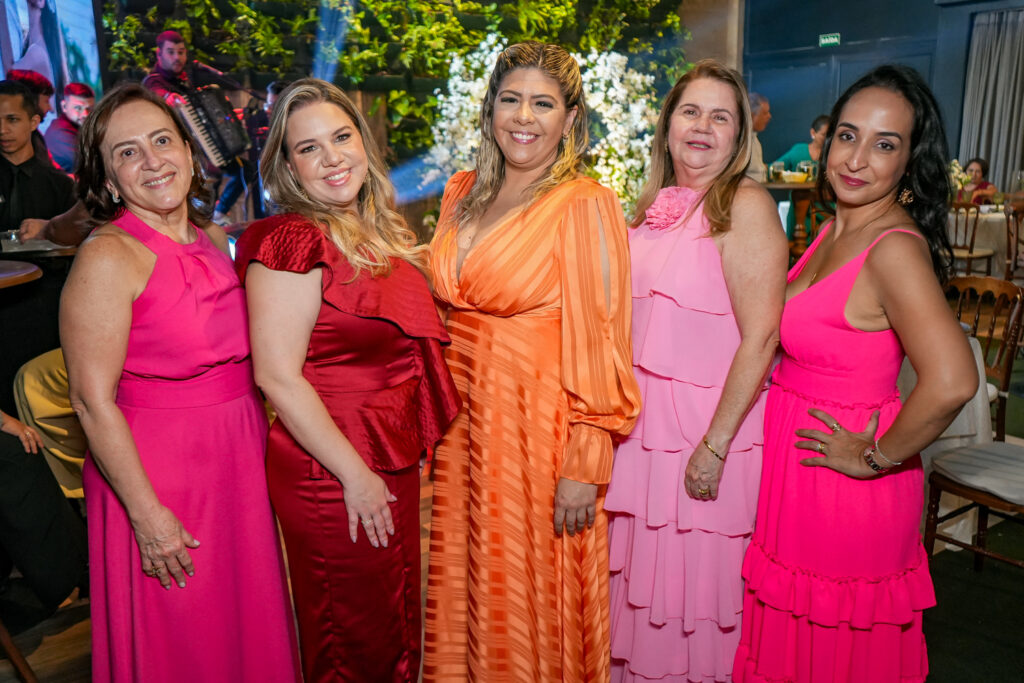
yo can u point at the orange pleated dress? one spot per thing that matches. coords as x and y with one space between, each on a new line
543 366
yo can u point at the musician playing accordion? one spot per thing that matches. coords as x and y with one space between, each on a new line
170 79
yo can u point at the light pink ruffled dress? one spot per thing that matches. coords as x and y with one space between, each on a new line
676 591
837 578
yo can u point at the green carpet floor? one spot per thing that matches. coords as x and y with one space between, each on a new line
976 632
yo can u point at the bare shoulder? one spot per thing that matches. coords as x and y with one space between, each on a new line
902 246
754 214
111 254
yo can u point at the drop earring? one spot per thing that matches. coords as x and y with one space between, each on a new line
906 197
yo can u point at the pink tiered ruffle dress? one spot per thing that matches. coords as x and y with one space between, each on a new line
676 591
836 574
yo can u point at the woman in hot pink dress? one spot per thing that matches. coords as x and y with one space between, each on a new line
836 575
187 575
708 269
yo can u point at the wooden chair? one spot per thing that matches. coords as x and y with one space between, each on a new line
1014 240
819 214
965 227
990 476
992 309
21 666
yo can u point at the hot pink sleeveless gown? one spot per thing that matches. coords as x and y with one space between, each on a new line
188 396
837 578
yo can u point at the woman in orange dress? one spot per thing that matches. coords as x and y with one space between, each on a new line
532 261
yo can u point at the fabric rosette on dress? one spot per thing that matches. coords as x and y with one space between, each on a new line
676 591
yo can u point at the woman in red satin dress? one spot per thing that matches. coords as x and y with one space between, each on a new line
346 344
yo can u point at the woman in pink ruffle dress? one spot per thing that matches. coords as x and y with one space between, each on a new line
708 274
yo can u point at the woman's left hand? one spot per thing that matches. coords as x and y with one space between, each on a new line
575 506
839 449
29 438
702 474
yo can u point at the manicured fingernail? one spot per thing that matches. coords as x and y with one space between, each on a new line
181 584
190 572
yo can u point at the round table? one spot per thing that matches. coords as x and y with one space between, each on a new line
18 272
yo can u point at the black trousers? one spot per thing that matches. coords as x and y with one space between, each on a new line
40 533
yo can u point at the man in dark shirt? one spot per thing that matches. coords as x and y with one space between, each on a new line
62 135
29 187
42 90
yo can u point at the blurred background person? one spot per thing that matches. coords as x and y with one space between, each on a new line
530 259
761 114
40 534
347 347
155 336
42 91
978 190
62 135
836 576
30 187
709 269
806 151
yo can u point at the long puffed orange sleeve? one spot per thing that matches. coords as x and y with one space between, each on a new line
597 369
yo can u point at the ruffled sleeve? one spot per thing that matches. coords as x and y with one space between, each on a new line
597 374
285 242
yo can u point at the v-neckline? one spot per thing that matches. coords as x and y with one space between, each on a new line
460 266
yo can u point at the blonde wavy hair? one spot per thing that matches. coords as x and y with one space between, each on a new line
559 65
371 233
717 200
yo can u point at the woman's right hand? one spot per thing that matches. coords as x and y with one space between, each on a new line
366 500
163 544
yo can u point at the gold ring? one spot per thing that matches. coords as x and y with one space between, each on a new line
836 427
704 491
367 522
821 447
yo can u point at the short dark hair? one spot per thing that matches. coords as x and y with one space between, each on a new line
819 122
78 90
168 37
275 88
28 98
980 162
92 173
33 80
926 174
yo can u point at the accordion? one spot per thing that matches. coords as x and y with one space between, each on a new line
209 115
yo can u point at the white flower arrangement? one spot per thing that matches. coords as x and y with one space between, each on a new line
957 175
621 102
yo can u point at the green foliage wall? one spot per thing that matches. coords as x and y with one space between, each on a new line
399 48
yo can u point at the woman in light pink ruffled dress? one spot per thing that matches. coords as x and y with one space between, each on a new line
708 275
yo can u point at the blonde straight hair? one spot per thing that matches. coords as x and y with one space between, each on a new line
559 65
717 200
371 233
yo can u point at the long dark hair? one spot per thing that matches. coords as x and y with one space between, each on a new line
92 174
926 173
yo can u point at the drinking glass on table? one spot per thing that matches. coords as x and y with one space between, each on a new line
810 168
776 170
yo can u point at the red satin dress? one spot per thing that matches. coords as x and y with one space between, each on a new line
375 360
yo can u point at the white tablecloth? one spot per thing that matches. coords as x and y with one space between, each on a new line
991 234
972 426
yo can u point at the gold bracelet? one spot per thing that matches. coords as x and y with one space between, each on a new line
713 451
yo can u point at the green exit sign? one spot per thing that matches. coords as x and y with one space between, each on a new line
828 40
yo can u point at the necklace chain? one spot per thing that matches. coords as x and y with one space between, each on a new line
814 275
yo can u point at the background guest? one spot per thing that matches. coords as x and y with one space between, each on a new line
530 257
761 114
153 326
30 187
803 151
62 135
978 190
709 268
42 91
346 344
837 578
40 534
807 151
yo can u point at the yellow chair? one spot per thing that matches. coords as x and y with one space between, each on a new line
41 395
